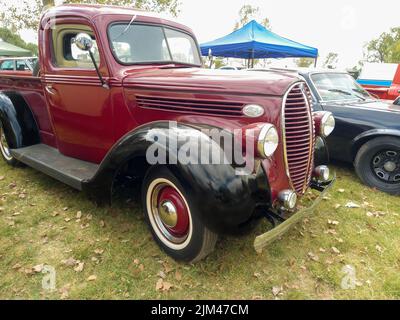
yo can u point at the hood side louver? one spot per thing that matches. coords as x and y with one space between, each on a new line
205 107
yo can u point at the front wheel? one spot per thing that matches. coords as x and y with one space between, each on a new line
173 219
378 164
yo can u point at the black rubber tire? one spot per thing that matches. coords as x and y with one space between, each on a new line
364 158
12 162
202 240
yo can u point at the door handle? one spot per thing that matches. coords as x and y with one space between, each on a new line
50 90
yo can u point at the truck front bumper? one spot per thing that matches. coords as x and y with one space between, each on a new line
263 240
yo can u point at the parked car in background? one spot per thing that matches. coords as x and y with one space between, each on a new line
20 66
382 80
367 131
109 101
230 68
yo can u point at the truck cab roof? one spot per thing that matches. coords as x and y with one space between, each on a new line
92 12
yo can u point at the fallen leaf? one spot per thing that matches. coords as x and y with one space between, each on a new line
92 278
16 214
159 284
341 190
38 268
65 208
167 286
99 251
335 250
313 257
64 292
379 248
352 205
70 262
162 274
79 267
178 275
136 261
257 275
333 222
79 214
16 266
1 178
276 290
67 219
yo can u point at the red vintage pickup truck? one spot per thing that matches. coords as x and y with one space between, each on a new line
120 93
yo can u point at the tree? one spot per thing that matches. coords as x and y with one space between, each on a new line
248 13
25 14
13 38
304 62
331 60
386 48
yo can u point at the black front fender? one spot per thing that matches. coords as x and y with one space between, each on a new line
362 138
225 200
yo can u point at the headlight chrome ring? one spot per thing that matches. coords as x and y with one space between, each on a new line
268 141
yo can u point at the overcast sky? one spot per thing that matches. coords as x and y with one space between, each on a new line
341 26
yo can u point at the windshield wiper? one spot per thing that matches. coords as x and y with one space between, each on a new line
347 93
126 29
341 91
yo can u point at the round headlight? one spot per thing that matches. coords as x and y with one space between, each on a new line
327 124
268 141
253 111
288 199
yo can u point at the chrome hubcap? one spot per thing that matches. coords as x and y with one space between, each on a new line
5 150
168 214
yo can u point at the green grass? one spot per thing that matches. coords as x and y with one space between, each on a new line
35 229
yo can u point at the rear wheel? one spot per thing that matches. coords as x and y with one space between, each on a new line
173 220
378 164
5 149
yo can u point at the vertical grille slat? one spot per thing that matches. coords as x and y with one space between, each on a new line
299 137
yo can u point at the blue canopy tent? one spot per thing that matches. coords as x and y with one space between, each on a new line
254 41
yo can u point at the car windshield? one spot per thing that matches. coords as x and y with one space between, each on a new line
338 86
137 43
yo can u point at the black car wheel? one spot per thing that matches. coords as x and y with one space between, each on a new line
173 220
378 164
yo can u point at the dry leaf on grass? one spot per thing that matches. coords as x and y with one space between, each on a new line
335 250
70 262
99 251
313 257
79 267
352 205
162 285
277 290
79 214
92 278
178 276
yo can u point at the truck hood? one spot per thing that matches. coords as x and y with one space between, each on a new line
210 81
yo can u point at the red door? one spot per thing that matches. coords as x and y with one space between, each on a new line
80 107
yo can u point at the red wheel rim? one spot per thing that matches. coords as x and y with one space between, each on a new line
170 212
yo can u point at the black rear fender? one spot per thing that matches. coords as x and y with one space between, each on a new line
19 124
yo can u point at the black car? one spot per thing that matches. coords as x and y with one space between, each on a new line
367 131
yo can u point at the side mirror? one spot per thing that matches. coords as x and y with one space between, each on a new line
83 41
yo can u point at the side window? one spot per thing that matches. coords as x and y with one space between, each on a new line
21 65
7 65
66 54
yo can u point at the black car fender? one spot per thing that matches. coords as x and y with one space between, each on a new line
20 127
364 137
225 200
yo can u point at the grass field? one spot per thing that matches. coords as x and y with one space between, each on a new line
108 253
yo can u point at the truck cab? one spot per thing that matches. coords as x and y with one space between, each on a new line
115 84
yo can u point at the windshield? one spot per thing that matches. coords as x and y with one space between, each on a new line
135 43
338 86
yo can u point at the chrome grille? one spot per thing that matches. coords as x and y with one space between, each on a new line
298 136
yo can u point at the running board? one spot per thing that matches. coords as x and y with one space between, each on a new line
50 161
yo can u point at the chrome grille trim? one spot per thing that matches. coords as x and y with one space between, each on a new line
298 136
